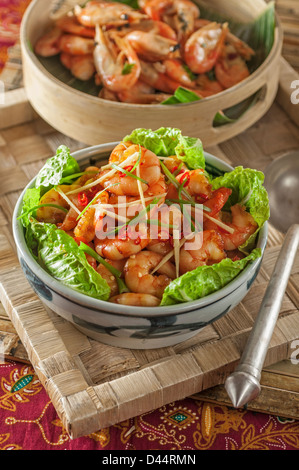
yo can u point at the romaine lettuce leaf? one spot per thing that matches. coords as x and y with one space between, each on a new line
247 188
30 200
56 168
52 173
58 253
166 142
205 280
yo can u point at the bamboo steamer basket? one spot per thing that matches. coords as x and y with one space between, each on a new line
93 120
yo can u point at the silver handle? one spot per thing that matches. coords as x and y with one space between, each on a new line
243 385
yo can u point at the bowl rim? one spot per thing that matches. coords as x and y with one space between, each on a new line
278 38
98 305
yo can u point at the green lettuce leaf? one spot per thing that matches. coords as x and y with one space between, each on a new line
56 168
31 199
205 280
58 253
247 188
167 142
54 171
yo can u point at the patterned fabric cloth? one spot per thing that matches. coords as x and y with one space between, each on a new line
28 421
11 12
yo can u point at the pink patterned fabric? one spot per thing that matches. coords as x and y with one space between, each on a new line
11 13
28 421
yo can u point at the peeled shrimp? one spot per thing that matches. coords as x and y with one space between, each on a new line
194 182
121 247
139 279
52 215
205 248
84 227
217 200
241 221
149 167
137 300
109 278
111 68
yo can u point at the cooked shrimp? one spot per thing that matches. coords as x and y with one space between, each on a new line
148 25
141 93
121 246
70 24
204 47
175 165
162 247
84 227
76 45
240 46
49 44
170 227
207 87
137 300
157 189
80 66
111 69
70 220
180 14
150 46
107 13
241 221
149 169
90 173
194 182
205 248
109 95
231 68
109 278
52 215
157 79
217 200
177 70
138 278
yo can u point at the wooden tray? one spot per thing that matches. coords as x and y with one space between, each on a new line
92 385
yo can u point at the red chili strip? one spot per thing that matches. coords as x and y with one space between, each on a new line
127 168
185 179
82 199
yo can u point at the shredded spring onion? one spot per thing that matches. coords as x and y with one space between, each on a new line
64 196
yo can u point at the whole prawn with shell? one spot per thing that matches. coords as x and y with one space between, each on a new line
130 212
143 55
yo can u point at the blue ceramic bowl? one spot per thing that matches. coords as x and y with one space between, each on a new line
127 326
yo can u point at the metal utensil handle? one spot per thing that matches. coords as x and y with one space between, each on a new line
254 354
